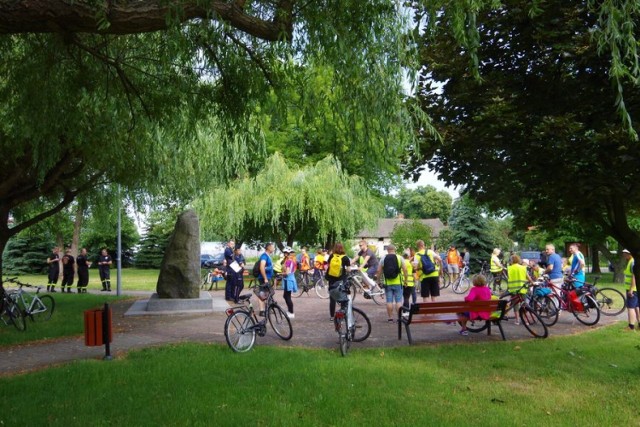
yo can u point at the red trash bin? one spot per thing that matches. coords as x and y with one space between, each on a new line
97 325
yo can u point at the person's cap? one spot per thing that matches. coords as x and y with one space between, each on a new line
624 251
391 247
287 250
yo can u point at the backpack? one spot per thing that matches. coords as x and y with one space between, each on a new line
256 268
427 264
335 266
391 266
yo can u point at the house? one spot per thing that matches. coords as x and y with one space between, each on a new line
380 235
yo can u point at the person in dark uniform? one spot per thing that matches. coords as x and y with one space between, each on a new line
68 270
104 268
54 269
83 271
239 258
230 287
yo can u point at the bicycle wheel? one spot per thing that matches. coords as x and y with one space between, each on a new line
301 290
322 288
546 309
461 285
280 323
477 325
445 281
611 301
362 325
16 315
379 296
353 290
590 313
240 332
43 310
532 322
341 327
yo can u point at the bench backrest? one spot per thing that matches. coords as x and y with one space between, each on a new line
457 307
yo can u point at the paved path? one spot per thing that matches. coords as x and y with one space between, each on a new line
311 328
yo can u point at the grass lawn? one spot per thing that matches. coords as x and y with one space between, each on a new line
590 379
67 319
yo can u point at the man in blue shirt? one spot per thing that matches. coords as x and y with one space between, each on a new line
554 266
577 265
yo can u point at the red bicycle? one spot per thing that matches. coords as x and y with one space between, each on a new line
578 301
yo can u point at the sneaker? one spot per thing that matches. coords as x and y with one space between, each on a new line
517 322
331 319
464 333
390 321
405 315
291 315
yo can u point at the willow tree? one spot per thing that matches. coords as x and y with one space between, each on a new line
314 203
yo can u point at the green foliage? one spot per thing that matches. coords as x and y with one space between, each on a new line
282 203
508 145
423 202
470 228
156 237
26 254
405 235
101 233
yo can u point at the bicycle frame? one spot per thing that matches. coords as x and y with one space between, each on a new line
357 276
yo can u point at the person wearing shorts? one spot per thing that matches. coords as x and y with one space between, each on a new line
429 283
393 285
633 307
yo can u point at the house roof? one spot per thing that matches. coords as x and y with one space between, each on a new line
386 226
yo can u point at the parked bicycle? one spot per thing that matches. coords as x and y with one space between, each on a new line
242 324
494 281
361 283
527 315
610 300
460 285
351 323
310 281
34 305
578 301
10 312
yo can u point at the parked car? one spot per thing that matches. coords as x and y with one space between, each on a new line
212 261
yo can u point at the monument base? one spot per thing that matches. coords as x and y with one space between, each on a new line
162 306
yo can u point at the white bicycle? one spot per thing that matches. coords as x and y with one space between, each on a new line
351 323
360 282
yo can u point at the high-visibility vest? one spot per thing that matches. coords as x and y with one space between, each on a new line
628 276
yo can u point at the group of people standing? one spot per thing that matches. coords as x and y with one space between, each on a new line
81 264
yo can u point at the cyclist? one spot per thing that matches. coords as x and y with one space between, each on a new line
289 283
517 277
577 264
319 263
410 285
479 292
336 273
496 267
453 263
304 266
266 272
554 266
633 312
395 273
429 283
366 259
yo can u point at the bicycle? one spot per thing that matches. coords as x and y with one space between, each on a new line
211 278
33 305
316 282
577 301
351 323
10 312
242 324
360 282
462 283
610 300
528 317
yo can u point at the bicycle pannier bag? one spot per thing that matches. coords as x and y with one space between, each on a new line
427 264
335 266
391 266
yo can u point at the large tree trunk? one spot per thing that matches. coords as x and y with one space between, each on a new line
139 16
77 226
595 261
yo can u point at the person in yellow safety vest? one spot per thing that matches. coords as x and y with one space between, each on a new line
393 284
633 310
410 285
517 280
318 264
496 267
429 283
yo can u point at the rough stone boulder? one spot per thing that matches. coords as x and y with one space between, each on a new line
180 268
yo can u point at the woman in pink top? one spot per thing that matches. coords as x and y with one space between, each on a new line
479 292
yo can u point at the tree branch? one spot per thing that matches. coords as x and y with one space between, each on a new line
137 16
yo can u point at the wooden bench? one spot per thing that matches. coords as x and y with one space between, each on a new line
447 311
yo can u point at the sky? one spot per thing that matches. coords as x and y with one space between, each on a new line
429 178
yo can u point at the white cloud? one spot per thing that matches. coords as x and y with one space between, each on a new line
429 178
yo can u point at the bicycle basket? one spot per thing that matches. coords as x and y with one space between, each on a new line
339 293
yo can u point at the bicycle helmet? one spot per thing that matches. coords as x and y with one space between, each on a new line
287 250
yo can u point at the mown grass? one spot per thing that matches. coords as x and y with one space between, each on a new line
67 319
576 380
